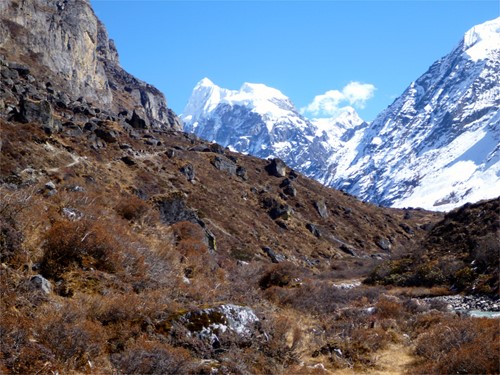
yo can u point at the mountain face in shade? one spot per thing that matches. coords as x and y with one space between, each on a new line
436 146
64 46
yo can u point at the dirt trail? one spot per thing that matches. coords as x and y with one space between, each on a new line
393 360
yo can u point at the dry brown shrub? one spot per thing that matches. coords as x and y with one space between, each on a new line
50 339
460 346
132 208
284 338
280 275
153 358
79 244
390 307
19 353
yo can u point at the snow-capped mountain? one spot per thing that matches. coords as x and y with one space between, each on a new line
437 146
261 121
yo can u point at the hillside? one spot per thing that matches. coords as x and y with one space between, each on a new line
130 247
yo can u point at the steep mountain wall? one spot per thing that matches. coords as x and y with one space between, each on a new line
65 46
437 146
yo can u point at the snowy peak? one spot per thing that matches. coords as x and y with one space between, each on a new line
437 146
482 39
261 91
207 96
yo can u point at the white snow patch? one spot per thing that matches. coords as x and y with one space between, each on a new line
482 39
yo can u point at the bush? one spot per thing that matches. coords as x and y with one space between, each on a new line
146 357
281 274
460 346
132 208
78 244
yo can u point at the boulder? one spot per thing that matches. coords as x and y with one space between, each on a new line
384 244
224 164
173 209
406 228
282 211
171 153
290 190
128 160
347 250
275 258
216 148
41 283
313 229
36 111
188 171
276 167
321 208
241 172
138 122
106 135
209 323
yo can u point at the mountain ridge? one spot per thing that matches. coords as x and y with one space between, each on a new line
78 58
450 112
130 247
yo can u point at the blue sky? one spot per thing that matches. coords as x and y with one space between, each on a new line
302 48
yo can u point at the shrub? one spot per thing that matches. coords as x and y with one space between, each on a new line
10 239
78 244
132 208
460 346
146 357
389 307
281 274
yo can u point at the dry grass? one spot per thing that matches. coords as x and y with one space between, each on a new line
118 273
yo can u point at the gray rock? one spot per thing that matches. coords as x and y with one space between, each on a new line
276 167
347 250
107 136
290 190
72 213
406 228
282 211
40 112
313 229
188 171
200 148
173 209
209 323
50 186
11 74
153 142
128 160
384 244
216 148
22 69
171 153
241 172
275 258
137 121
41 283
224 164
321 208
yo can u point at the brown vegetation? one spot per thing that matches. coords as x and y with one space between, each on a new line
123 269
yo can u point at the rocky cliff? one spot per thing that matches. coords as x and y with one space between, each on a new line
66 49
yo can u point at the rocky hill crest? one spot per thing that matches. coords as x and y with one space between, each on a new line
64 48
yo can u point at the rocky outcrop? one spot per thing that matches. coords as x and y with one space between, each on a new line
210 323
62 44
